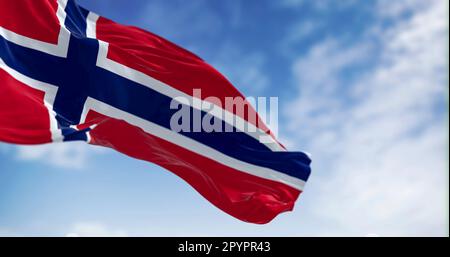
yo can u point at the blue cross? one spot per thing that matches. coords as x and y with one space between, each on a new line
78 77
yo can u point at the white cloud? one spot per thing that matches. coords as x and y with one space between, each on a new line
7 233
71 155
175 23
94 229
296 33
320 5
247 74
395 9
80 229
379 144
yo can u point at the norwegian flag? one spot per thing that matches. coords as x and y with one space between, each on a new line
69 74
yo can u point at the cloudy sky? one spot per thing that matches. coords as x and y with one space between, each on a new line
362 86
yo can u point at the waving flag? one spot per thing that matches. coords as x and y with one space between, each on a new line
69 74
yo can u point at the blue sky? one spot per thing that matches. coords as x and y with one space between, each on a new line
362 86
